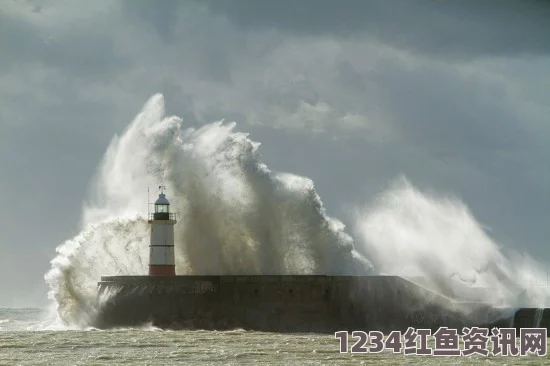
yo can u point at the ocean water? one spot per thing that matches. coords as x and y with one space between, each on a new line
26 340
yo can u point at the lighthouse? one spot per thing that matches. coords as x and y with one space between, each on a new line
161 254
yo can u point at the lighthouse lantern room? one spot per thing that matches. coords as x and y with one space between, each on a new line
161 254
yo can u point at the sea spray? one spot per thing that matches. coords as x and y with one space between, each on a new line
538 317
436 241
115 247
241 218
235 215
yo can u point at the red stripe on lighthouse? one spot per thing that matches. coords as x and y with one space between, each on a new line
162 270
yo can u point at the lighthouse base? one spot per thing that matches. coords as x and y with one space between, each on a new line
321 304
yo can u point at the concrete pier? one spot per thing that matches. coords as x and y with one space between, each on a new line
532 318
280 303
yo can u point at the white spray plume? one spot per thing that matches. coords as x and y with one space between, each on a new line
235 216
437 241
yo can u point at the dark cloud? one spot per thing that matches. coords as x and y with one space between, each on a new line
451 113
162 17
454 28
93 57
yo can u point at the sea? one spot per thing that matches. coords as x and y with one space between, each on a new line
26 340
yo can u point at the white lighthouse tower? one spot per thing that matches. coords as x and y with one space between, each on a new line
161 255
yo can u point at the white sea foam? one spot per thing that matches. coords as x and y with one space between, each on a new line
235 215
436 241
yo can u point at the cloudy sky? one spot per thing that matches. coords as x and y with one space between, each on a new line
351 93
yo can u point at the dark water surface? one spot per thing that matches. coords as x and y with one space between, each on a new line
22 343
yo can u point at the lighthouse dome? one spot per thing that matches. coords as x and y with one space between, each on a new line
162 200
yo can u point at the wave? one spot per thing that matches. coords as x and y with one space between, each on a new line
235 215
238 217
436 241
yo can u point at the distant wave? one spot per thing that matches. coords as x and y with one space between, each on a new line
436 240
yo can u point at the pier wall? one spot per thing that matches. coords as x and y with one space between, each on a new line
281 303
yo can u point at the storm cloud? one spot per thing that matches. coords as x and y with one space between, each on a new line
349 93
453 28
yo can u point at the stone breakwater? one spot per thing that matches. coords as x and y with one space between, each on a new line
286 303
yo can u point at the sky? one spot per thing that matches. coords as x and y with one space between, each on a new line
350 93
